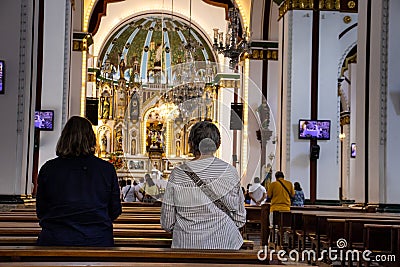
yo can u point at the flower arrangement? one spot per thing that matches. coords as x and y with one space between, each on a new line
116 160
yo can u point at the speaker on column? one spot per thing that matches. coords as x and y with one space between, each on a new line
92 110
314 151
236 116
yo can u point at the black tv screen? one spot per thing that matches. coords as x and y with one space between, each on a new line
1 76
315 129
44 120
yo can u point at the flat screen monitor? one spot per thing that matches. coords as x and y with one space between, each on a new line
315 129
44 120
1 76
353 150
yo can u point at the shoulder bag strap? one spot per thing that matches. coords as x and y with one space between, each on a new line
127 191
290 196
207 190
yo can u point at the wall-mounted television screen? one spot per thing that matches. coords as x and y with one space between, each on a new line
315 129
353 150
44 120
1 76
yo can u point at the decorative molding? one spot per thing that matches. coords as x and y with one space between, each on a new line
66 71
344 118
348 6
347 19
261 54
384 71
23 42
99 10
344 57
347 62
289 89
224 4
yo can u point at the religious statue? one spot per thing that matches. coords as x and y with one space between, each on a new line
104 141
106 109
118 139
121 102
134 109
178 148
122 69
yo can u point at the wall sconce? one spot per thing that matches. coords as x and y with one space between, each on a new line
342 136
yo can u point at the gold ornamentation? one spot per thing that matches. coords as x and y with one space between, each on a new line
347 19
345 120
351 4
117 160
326 5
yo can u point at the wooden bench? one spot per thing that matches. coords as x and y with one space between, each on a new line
125 209
310 226
84 254
129 229
387 248
119 241
254 224
120 264
121 219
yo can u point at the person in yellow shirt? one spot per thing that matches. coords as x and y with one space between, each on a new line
280 192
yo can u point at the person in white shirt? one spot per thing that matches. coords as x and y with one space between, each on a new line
257 193
201 219
139 189
128 192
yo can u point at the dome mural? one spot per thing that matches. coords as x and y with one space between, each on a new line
156 79
147 46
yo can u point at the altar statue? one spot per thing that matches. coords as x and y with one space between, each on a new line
118 138
104 141
106 109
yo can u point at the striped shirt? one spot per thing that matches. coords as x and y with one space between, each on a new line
194 220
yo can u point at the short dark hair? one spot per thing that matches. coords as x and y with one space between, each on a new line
77 138
257 180
279 174
204 138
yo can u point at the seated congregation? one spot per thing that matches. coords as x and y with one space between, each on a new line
82 215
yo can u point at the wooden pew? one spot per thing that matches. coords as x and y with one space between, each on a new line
135 225
121 219
131 254
312 225
117 232
119 241
381 240
120 264
125 209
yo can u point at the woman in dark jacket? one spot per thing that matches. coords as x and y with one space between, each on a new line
78 195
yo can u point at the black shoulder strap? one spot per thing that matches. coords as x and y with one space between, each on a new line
290 196
207 190
127 191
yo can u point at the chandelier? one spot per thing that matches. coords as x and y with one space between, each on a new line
234 44
191 91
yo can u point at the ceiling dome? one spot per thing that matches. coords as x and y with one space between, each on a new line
152 43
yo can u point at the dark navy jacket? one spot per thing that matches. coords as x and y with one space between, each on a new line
76 202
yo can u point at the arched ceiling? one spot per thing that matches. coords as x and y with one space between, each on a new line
98 9
206 13
149 36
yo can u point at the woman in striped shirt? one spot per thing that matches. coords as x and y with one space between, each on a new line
190 212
